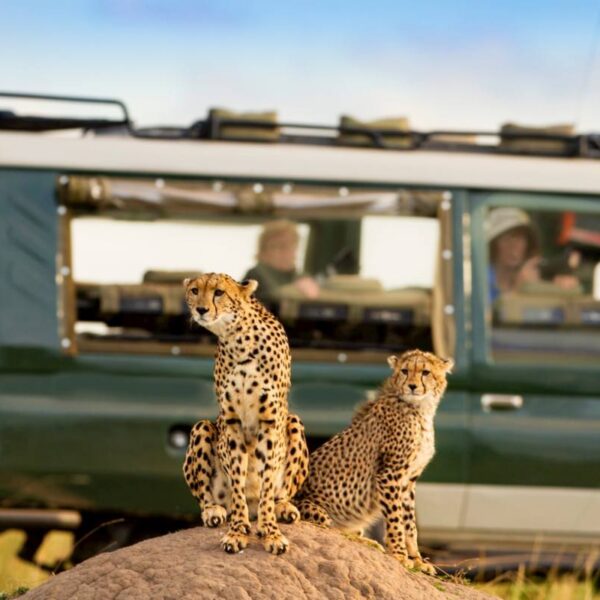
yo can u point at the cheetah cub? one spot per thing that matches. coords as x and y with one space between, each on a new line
254 458
372 466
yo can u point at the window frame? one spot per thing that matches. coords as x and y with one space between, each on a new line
442 323
481 202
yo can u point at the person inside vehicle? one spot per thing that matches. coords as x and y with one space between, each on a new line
514 253
276 266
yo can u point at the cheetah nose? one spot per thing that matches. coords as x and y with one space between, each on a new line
201 310
412 387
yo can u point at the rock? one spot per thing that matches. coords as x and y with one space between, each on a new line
190 565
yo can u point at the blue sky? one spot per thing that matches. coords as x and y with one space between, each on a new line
450 64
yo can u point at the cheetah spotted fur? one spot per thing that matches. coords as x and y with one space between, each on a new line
254 459
371 467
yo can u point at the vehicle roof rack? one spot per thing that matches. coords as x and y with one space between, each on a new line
224 125
16 122
512 141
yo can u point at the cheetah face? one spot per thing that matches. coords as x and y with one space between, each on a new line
214 299
419 375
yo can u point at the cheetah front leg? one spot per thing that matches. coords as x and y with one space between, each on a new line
268 454
200 469
388 490
234 457
296 470
410 527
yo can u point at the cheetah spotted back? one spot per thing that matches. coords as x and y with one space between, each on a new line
371 467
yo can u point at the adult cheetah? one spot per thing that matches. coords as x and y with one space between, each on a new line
254 458
372 466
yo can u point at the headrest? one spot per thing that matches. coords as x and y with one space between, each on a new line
174 277
352 283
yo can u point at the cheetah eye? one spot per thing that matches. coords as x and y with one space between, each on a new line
404 371
194 291
426 372
218 293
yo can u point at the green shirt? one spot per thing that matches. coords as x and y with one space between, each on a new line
269 280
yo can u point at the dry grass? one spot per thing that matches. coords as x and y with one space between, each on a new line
518 586
16 573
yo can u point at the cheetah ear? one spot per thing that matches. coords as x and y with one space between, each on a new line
248 287
447 364
186 282
392 361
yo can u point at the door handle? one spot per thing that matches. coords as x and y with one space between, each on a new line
491 402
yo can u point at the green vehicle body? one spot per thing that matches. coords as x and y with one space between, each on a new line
91 432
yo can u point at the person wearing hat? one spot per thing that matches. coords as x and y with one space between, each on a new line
515 252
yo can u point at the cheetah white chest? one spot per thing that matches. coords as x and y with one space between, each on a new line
424 453
245 390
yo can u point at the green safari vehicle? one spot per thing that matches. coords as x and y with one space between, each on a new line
475 245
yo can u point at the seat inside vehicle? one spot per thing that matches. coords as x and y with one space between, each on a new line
338 241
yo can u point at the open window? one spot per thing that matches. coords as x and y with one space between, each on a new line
350 272
540 285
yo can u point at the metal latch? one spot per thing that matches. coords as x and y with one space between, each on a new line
491 402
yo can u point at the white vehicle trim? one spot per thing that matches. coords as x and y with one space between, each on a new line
300 162
535 509
440 505
525 512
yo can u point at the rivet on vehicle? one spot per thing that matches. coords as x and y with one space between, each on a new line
61 210
178 439
65 343
449 309
175 350
287 188
63 180
65 271
159 183
342 357
217 186
257 188
447 254
343 191
95 190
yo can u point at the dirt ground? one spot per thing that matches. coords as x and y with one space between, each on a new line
190 565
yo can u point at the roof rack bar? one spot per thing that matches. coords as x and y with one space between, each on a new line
378 135
112 101
215 121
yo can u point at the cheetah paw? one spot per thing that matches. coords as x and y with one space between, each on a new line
404 561
424 567
214 515
287 512
275 543
234 541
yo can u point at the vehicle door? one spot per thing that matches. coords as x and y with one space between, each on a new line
535 404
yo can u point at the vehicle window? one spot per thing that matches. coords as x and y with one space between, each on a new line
344 271
167 246
399 252
541 275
